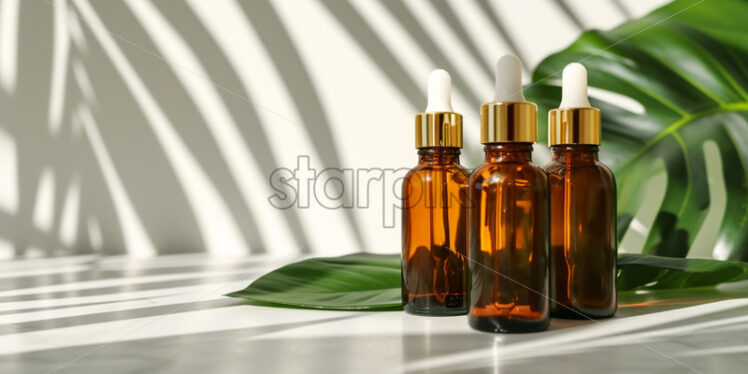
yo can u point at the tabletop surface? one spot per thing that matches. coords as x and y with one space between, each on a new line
168 314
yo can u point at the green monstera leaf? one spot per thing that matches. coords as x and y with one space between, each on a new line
360 281
686 65
367 281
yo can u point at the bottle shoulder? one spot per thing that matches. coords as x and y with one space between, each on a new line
553 167
501 172
606 173
448 168
604 168
455 172
491 167
594 171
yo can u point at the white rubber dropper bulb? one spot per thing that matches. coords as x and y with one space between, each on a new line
508 79
439 92
574 87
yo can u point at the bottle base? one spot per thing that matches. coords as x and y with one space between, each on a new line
573 313
436 312
453 305
504 325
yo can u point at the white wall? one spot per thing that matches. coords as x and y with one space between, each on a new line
149 127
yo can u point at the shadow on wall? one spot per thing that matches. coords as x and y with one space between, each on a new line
110 146
126 139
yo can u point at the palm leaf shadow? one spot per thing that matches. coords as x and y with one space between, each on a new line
502 31
220 70
147 175
408 21
38 149
446 12
358 28
287 59
181 109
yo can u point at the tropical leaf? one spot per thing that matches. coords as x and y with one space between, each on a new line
352 282
365 281
687 65
638 272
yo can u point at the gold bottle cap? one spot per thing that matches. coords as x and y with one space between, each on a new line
439 125
509 118
502 122
438 129
576 121
574 126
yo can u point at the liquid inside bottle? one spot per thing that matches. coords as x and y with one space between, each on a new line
509 241
583 233
435 270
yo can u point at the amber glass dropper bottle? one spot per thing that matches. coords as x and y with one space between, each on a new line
509 215
583 207
434 262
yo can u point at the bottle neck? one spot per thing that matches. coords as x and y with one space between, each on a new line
577 153
438 155
508 152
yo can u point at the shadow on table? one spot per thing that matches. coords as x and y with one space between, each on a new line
658 341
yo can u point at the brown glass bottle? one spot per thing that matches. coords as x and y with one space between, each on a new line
435 273
583 233
509 241
434 269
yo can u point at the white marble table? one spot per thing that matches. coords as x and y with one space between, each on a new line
118 315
